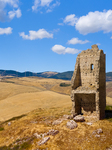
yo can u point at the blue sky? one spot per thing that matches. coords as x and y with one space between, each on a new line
47 35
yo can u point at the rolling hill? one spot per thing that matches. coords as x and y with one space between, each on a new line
48 74
64 75
109 76
12 73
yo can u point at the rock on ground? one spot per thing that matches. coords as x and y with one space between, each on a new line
56 122
89 123
9 123
43 141
97 135
71 124
99 131
37 135
52 132
79 118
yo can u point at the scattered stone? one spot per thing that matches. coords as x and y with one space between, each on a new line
89 123
97 135
9 123
71 124
37 135
43 141
43 135
79 118
66 116
56 122
94 132
71 117
52 132
99 131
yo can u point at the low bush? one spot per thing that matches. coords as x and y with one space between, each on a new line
1 128
64 84
108 108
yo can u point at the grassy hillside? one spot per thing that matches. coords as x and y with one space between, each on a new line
20 134
31 105
21 95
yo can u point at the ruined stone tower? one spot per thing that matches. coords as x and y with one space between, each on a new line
88 83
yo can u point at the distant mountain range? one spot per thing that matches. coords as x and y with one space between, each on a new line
56 75
12 73
109 76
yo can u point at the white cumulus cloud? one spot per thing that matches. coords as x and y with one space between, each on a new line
4 15
5 30
77 41
33 35
70 19
14 13
45 2
63 50
13 3
49 4
92 22
50 9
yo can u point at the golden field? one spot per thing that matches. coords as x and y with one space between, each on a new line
32 104
21 95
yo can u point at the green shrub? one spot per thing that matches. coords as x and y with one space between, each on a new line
15 118
25 145
64 84
108 108
1 128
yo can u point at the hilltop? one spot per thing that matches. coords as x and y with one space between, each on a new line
48 74
13 73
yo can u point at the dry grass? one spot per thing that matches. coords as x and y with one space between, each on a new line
22 95
10 89
19 96
40 121
62 90
44 83
109 89
109 101
26 102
